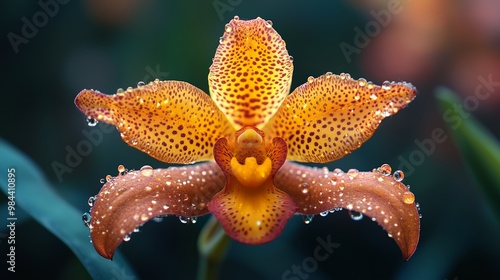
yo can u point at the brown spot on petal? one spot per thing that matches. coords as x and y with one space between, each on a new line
127 201
371 193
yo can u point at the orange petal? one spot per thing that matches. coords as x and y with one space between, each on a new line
251 72
250 209
171 121
330 116
380 197
128 201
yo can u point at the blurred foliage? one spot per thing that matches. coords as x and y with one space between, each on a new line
480 150
111 44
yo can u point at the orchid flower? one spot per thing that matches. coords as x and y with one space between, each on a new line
247 133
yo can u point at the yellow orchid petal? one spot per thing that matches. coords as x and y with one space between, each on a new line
330 116
251 72
172 121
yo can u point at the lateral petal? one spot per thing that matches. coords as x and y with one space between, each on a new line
172 121
373 194
128 201
251 72
330 116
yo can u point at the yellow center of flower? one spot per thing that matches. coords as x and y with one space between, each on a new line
251 174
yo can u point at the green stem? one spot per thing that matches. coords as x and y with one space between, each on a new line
212 247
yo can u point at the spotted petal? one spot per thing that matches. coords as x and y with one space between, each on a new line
250 209
251 72
330 116
380 197
171 121
127 201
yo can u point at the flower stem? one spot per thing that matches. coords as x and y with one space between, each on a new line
212 247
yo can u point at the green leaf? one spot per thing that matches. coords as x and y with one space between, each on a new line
35 195
480 150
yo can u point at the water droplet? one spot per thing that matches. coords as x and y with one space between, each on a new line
92 200
119 91
194 220
398 175
408 197
324 213
184 219
134 141
328 74
385 169
221 40
236 18
307 219
144 217
373 96
352 173
158 219
141 84
290 58
362 82
386 85
108 178
147 171
356 216
269 24
310 79
126 238
91 121
86 219
121 169
228 28
305 190
102 181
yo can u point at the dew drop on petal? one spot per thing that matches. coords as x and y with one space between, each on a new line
398 175
91 200
121 169
290 58
356 216
228 28
324 213
385 169
236 18
269 24
126 238
134 141
352 173
307 219
119 91
194 220
102 181
91 122
184 219
158 219
221 40
86 219
141 84
144 217
147 171
310 79
108 178
362 82
386 85
408 197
